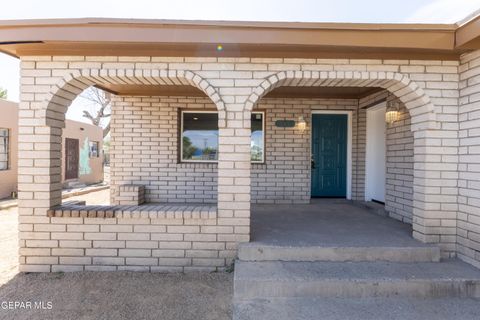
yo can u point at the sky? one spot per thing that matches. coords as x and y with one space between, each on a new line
369 11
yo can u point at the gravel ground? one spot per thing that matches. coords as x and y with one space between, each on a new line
8 244
9 236
107 295
99 197
121 295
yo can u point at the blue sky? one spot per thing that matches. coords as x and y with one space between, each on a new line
384 11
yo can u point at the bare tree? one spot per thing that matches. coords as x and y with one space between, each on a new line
101 108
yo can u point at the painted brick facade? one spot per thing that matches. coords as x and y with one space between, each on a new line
428 89
145 145
285 176
400 164
148 153
399 159
468 227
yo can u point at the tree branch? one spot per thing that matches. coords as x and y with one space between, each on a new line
101 100
106 130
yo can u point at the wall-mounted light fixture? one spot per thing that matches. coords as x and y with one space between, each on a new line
302 124
393 112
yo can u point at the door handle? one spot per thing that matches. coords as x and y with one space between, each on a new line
313 164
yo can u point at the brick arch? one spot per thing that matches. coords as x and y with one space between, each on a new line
407 91
421 109
75 82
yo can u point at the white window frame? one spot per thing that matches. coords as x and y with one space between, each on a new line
8 149
215 161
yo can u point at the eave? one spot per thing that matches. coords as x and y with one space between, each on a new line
124 37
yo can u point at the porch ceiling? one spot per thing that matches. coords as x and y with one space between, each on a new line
152 90
322 92
281 92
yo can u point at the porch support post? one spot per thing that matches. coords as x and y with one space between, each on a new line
435 199
39 182
234 177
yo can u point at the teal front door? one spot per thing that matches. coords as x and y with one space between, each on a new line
329 155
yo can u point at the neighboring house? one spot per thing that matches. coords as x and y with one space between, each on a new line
82 160
225 114
8 147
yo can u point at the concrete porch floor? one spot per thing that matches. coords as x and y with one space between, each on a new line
327 222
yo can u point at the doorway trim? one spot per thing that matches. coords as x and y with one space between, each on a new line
349 143
378 106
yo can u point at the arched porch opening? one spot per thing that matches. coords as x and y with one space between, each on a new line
134 109
294 147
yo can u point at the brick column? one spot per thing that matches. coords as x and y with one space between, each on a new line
39 185
435 188
234 176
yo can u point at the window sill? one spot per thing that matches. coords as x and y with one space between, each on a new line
208 165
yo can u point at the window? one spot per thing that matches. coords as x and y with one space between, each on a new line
4 149
199 136
257 140
93 149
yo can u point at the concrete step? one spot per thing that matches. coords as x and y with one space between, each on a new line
263 252
274 279
355 309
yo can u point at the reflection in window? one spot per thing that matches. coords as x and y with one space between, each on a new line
257 137
4 149
199 136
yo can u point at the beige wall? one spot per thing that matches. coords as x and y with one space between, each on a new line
93 173
9 120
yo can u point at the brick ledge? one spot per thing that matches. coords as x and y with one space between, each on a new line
151 211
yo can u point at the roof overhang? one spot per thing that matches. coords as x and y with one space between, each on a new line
124 37
467 35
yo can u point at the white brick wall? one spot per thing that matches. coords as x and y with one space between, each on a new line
96 244
145 133
285 175
468 224
399 166
429 89
145 150
399 160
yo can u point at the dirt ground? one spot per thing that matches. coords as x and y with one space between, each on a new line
99 197
8 245
106 295
121 295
